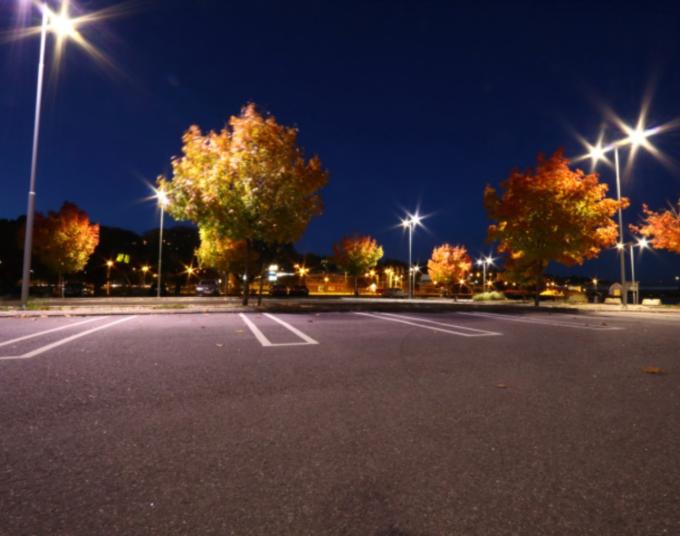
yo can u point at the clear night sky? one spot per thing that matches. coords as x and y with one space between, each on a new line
406 103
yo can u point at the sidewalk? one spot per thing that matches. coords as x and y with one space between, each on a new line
198 305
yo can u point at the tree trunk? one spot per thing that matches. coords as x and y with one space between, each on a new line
62 288
246 281
259 292
537 294
356 285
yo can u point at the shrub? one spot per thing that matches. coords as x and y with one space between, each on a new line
489 296
577 299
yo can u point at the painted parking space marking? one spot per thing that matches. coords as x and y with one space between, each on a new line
66 340
542 321
264 341
475 332
422 323
52 330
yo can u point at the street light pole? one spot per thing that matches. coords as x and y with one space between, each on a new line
410 261
622 251
160 252
632 274
30 212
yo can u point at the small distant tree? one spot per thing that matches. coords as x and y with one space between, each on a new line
550 213
662 227
249 182
356 255
63 241
448 265
221 254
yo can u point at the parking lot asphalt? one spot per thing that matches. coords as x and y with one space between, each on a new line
353 423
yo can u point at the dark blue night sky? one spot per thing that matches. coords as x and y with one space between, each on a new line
407 104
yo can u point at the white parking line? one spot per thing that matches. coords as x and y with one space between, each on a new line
264 341
542 322
45 332
401 319
52 345
481 332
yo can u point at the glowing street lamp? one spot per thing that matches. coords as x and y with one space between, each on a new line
109 265
145 270
162 201
410 223
63 27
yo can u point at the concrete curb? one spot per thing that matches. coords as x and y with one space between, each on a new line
309 305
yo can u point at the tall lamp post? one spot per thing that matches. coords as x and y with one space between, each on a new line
63 27
484 263
410 223
635 138
641 243
163 201
109 265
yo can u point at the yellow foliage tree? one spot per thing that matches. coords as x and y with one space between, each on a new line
248 182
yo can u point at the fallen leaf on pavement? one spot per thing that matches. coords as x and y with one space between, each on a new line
652 370
219 344
501 386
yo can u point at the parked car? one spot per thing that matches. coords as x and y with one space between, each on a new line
278 291
298 290
78 289
208 287
394 292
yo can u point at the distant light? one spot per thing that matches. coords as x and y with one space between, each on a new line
643 243
619 246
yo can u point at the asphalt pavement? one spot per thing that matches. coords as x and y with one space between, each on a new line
353 423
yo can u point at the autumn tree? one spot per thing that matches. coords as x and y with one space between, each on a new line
662 227
356 255
449 265
63 241
550 213
248 182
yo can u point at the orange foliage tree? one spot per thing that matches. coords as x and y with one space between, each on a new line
449 265
356 255
63 241
249 182
662 227
550 213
